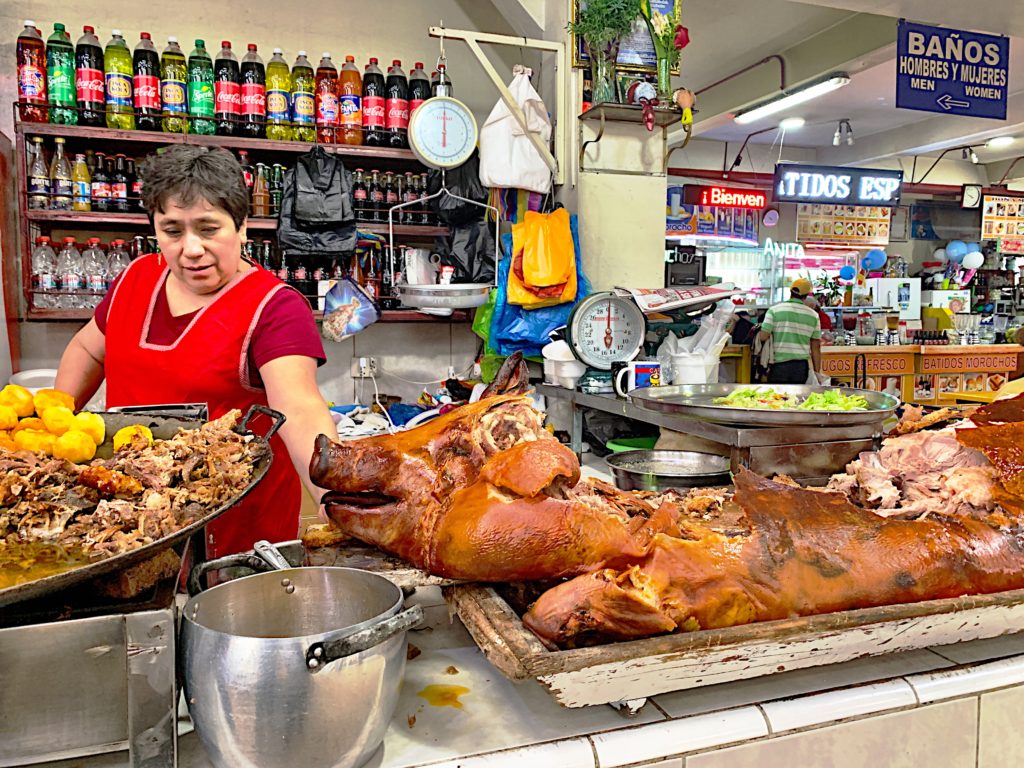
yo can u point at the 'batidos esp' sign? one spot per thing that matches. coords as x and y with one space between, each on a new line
795 183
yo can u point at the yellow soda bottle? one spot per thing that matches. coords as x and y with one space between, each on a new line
279 98
81 184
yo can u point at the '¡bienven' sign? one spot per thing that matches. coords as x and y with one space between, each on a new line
951 72
795 183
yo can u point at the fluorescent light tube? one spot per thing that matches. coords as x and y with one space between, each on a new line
798 96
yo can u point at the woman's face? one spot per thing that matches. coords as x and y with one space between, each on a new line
201 244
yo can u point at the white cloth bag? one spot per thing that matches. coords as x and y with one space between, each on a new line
507 157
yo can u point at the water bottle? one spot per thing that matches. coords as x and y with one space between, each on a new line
69 276
117 260
44 274
94 265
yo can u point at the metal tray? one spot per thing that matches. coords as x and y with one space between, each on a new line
455 296
163 428
654 470
697 401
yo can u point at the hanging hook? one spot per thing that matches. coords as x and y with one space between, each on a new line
442 57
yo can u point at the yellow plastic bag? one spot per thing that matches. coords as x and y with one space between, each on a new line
521 291
548 255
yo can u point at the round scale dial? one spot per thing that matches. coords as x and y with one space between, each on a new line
604 329
442 132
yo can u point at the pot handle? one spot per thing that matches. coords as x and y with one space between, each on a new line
276 417
342 644
242 560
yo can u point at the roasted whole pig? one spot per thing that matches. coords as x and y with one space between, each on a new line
483 493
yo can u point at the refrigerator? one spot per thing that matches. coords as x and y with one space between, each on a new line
903 293
955 301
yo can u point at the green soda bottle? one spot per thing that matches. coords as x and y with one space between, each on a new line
200 91
60 74
117 64
173 77
303 102
279 98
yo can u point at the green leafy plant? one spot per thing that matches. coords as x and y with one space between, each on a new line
602 23
829 287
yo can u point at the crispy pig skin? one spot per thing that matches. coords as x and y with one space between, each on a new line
809 552
483 493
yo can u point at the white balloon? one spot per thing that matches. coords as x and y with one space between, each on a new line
973 260
939 254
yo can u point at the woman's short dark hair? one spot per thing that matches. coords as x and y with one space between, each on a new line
185 174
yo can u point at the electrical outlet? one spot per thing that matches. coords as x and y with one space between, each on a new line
364 367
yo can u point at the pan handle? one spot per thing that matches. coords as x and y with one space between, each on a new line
241 560
338 645
275 416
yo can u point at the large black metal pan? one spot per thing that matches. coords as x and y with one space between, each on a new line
164 428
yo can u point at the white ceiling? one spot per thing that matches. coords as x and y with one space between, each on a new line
997 17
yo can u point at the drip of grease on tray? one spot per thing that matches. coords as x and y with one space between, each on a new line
443 695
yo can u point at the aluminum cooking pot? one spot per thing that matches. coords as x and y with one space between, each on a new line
294 667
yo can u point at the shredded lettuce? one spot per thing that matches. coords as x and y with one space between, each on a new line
768 398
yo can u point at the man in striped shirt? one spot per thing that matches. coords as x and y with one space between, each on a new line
795 331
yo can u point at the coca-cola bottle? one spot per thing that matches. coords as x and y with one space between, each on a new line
390 194
89 87
254 95
397 106
373 106
412 194
146 66
248 172
118 173
227 91
419 87
440 83
359 194
376 198
32 97
100 185
326 99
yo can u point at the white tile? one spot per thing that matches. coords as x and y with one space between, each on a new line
947 684
1000 738
799 682
426 596
659 740
440 630
569 753
675 762
983 650
804 711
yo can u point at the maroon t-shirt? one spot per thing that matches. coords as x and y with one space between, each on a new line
286 327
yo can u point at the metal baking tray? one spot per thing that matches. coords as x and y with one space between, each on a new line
454 296
697 401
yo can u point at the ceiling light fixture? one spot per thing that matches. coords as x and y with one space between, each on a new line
838 138
974 156
792 123
794 97
1000 142
849 133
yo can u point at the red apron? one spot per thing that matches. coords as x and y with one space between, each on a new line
207 364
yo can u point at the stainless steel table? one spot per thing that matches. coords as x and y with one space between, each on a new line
808 454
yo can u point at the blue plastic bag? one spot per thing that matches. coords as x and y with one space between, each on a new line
515 328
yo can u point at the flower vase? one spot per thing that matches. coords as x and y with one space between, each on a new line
664 80
604 87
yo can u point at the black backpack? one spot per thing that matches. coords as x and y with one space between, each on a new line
316 206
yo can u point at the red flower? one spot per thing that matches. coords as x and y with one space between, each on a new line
682 37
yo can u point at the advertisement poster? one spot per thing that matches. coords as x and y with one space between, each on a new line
843 224
1002 219
708 221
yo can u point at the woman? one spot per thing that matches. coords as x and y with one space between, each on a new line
199 323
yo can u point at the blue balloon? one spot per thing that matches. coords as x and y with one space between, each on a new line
973 248
876 257
865 264
956 250
847 273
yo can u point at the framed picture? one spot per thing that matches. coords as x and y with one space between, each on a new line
947 384
899 226
891 385
636 50
924 387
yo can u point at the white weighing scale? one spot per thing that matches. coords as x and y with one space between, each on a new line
602 330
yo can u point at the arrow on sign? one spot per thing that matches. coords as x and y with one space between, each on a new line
947 102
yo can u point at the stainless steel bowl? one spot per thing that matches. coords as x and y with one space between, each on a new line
657 470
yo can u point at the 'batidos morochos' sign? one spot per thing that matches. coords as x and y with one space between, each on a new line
795 183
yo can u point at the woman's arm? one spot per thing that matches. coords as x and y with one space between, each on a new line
291 387
81 366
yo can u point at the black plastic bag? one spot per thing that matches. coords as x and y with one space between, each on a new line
463 181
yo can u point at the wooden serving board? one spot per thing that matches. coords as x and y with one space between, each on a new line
626 671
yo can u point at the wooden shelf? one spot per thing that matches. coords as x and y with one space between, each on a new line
630 113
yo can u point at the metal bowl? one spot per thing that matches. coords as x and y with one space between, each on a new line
657 470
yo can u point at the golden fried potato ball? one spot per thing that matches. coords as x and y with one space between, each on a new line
127 436
57 419
6 444
19 398
77 447
48 398
35 440
92 424
31 422
8 417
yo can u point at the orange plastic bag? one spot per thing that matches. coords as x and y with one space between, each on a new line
530 278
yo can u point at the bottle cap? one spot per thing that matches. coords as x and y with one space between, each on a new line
278 51
252 46
143 35
58 27
172 39
373 59
59 140
42 239
28 23
350 58
69 239
225 43
396 63
301 54
88 30
325 55
200 43
116 33
359 170
419 65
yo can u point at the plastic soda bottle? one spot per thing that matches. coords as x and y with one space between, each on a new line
117 64
200 91
146 66
81 184
279 98
350 98
303 99
89 79
373 106
44 274
60 75
117 260
38 177
396 119
254 94
173 80
32 74
326 100
60 178
227 91
69 275
419 87
94 273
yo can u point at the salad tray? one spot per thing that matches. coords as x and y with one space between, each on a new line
697 401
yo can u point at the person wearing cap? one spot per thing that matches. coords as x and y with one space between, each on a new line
795 331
